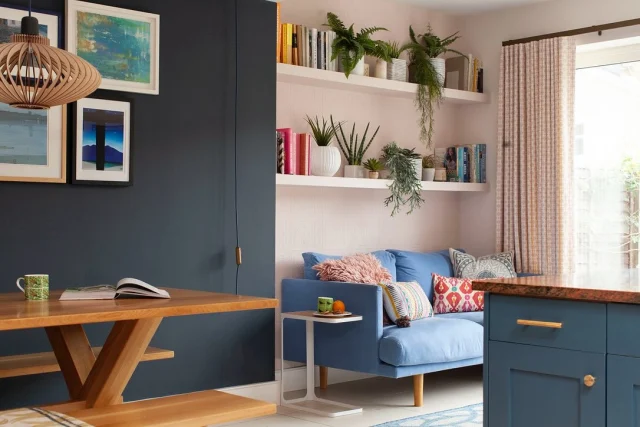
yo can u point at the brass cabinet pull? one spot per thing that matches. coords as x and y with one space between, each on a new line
589 380
540 324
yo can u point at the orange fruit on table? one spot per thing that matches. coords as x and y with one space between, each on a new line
338 307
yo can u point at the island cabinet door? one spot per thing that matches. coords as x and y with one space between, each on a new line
623 391
533 386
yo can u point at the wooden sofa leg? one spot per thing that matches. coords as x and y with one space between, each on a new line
418 389
324 377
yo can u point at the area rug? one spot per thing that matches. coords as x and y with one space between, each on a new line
469 416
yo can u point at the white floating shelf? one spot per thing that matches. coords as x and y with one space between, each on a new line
336 80
338 182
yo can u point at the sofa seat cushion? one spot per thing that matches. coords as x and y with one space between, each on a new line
475 316
433 340
387 259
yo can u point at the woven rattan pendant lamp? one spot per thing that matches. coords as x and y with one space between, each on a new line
36 76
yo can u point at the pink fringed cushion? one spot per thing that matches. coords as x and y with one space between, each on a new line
360 268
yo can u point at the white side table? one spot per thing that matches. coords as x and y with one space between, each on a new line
312 403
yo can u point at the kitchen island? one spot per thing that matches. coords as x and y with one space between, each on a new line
562 351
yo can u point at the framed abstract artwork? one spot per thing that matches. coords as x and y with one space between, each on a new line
33 143
102 142
124 45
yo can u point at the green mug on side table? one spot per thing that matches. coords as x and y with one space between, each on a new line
325 304
36 286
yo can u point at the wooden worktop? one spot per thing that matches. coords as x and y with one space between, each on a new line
16 313
621 286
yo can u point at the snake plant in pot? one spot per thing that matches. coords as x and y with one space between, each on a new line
351 46
353 148
325 158
406 185
427 69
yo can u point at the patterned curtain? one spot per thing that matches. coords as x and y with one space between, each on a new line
535 155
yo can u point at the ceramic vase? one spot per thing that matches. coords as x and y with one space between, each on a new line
359 70
397 70
374 175
428 174
351 171
439 65
381 69
417 164
325 161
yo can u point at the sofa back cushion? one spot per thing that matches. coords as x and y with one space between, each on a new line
387 259
419 267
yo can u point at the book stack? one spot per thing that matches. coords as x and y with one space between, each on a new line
465 163
464 73
304 46
294 152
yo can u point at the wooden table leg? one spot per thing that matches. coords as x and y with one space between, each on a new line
116 362
74 355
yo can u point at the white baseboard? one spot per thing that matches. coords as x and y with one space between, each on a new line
295 379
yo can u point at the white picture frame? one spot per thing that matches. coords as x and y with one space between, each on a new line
91 174
22 124
119 78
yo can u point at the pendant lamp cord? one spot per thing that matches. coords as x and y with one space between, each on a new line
29 8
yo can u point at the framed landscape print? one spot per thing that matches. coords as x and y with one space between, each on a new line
124 45
102 142
33 143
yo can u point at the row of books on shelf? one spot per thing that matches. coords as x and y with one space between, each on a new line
464 73
304 46
465 163
294 152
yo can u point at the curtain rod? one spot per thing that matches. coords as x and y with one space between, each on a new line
576 32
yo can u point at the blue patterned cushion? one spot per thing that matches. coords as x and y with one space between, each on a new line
485 267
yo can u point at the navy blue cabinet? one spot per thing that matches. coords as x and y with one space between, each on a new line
623 391
531 386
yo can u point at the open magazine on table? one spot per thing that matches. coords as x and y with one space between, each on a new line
125 288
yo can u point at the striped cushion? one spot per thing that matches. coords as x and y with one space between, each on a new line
405 299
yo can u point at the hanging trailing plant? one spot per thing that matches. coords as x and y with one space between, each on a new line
351 46
422 49
406 185
354 148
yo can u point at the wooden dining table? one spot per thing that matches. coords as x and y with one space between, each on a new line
96 381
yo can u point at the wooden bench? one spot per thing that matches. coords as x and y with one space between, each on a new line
42 363
184 410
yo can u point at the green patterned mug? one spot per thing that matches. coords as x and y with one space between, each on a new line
36 286
325 304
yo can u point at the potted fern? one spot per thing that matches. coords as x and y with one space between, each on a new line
353 148
351 46
406 186
427 69
325 158
374 166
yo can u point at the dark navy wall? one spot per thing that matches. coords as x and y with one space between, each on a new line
176 225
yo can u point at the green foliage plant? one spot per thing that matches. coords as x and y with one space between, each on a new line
353 148
406 185
387 51
323 132
351 46
422 48
373 165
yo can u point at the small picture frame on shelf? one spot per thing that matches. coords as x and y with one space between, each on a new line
123 44
102 142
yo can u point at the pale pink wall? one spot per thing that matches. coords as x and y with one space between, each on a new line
346 221
483 36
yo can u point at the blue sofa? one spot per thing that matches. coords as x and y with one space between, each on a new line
446 341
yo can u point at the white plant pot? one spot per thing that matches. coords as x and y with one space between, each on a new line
439 65
359 70
351 171
428 174
417 164
325 161
397 70
381 69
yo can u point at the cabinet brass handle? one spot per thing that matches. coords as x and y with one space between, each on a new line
540 324
589 380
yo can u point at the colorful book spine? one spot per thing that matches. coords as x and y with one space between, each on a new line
280 152
304 154
314 48
302 45
289 43
471 150
451 162
470 74
279 37
289 151
294 45
462 155
321 50
483 163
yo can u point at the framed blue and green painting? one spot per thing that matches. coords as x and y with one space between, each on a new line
124 45
102 143
33 144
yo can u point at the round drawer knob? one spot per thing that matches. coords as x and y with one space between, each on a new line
589 380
